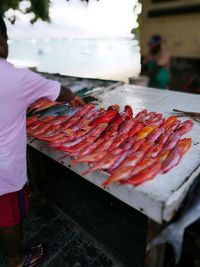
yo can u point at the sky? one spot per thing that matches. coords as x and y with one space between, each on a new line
105 18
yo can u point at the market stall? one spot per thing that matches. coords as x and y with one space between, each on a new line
160 198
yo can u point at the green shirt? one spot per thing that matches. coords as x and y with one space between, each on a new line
161 78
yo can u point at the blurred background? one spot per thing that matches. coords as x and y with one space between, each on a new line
108 39
87 40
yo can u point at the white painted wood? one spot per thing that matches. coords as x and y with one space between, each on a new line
160 198
134 198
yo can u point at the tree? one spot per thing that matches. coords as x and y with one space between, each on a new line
40 8
137 10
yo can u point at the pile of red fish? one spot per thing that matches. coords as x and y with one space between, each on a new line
132 149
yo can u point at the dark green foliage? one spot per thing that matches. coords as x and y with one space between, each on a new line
136 31
39 7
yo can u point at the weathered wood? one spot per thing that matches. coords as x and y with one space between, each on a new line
155 256
117 227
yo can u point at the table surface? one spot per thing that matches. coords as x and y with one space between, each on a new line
160 198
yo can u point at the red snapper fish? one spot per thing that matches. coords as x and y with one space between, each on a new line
171 141
135 129
151 121
173 126
105 163
124 170
38 123
143 164
154 151
42 102
156 133
144 132
83 141
50 131
126 126
141 115
41 129
99 152
149 116
119 119
86 151
169 121
185 127
84 121
31 120
76 116
176 154
169 130
137 145
144 175
158 122
105 118
114 125
163 155
128 143
118 141
119 160
129 111
146 146
59 120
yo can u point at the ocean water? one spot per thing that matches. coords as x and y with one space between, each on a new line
110 58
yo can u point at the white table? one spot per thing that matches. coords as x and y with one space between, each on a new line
160 198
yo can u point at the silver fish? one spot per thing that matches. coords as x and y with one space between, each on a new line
173 234
54 110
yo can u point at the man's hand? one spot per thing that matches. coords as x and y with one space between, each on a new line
66 95
77 101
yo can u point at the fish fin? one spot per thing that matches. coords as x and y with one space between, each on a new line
87 171
172 235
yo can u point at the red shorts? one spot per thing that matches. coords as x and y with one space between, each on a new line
14 207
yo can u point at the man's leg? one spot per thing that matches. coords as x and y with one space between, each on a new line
13 209
11 239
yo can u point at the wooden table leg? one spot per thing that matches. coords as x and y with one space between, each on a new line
155 256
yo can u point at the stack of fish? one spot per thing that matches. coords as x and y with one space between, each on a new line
132 149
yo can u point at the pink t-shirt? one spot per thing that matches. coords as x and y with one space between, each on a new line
18 89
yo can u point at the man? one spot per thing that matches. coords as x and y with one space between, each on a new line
156 64
18 89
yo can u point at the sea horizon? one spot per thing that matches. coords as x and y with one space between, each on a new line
93 57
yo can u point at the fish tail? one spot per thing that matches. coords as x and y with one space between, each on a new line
86 172
105 183
75 161
93 168
172 235
63 157
33 140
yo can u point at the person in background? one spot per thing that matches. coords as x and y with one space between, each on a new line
18 89
156 64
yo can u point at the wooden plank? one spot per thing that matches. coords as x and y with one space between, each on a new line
155 256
